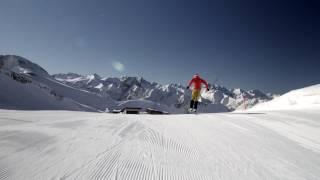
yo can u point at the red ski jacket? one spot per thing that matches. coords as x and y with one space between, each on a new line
197 81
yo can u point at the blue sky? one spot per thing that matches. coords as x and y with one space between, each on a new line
268 45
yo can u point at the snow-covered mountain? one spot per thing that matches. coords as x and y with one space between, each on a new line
171 95
26 85
21 65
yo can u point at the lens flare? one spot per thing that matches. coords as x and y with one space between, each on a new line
118 66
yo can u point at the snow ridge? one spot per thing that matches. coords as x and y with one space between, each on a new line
170 95
305 98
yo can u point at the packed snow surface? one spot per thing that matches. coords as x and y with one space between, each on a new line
282 145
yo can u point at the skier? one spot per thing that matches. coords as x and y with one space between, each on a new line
197 81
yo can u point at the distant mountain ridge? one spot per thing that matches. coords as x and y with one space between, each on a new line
94 93
133 88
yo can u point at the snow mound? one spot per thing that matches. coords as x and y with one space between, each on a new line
304 98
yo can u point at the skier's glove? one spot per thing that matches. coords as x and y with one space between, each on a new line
188 87
208 89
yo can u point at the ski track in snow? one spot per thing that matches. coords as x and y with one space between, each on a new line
75 145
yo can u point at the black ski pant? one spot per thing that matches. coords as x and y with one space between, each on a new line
193 104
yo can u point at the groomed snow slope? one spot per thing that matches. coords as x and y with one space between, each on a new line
282 145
